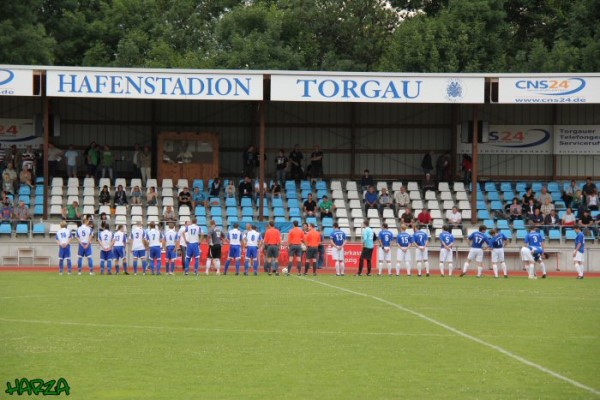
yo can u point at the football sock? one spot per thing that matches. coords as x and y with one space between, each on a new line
255 265
380 267
144 265
237 266
196 264
306 267
101 266
442 268
342 267
398 269
504 270
109 262
531 271
69 266
543 268
495 268
208 261
158 266
91 264
479 271
369 267
79 264
218 266
60 265
426 267
408 268
419 267
465 267
135 263
226 266
337 267
450 269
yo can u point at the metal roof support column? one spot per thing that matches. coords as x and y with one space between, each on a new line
474 151
261 157
352 140
46 107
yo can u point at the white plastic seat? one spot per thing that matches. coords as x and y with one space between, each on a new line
343 222
339 203
437 233
372 213
433 205
355 204
167 192
57 182
89 200
437 223
183 219
358 222
436 214
374 222
88 210
120 181
89 183
356 213
104 182
466 215
167 183
414 195
464 205
152 210
104 209
388 213
56 191
73 182
381 185
417 204
55 210
72 191
54 228
396 186
120 220
358 232
135 182
151 182
341 213
182 183
446 195
121 210
448 204
136 218
336 185
461 196
89 191
71 199
184 210
457 233
136 210
351 185
459 187
152 218
429 195
337 194
353 195
391 222
167 201
56 201
443 187
411 186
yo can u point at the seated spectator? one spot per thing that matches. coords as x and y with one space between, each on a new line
402 198
371 199
547 206
529 209
543 196
385 201
120 198
136 195
528 197
310 206
151 198
592 200
245 188
408 218
366 181
198 198
551 221
215 187
578 202
230 190
515 210
257 188
568 220
184 198
276 190
104 197
22 213
9 178
589 187
26 177
428 184
586 221
568 194
424 218
326 208
454 218
537 219
72 213
6 212
104 220
169 214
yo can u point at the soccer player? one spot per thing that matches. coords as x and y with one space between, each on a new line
182 247
63 239
405 241
478 239
252 240
296 238
234 238
170 239
447 241
120 241
155 241
579 251
215 239
84 236
272 241
366 254
313 239
385 238
138 246
535 241
421 239
106 241
338 240
497 242
192 236
530 255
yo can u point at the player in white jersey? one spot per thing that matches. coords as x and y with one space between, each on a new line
63 239
234 237
139 241
170 242
119 253
84 237
106 241
155 241
192 236
252 241
182 245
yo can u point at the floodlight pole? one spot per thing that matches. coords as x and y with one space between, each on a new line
474 167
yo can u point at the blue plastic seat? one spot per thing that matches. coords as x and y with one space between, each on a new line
198 183
25 199
232 220
483 214
294 212
321 193
265 201
218 220
214 201
327 231
506 187
39 200
277 202
493 196
502 224
290 185
293 203
216 211
298 219
521 186
25 190
305 193
305 185
321 185
5 229
39 190
489 223
201 220
266 212
481 205
247 212
518 224
570 234
279 219
230 202
554 234
278 212
311 220
231 212
553 187
327 222
246 202
490 187
497 205
38 210
537 186
507 233
22 229
521 234
200 211
39 229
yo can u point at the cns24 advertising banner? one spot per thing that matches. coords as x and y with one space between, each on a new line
550 89
514 139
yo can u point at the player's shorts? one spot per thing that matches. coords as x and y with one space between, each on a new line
193 250
295 250
272 251
475 254
154 253
106 255
81 252
118 252
422 255
403 255
139 253
312 253
171 253
235 251
383 255
497 255
445 255
337 254
366 253
251 252
526 254
214 251
64 252
578 257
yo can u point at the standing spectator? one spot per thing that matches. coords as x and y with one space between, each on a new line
104 197
569 193
91 160
568 220
407 217
366 180
589 187
440 167
184 198
151 199
38 168
326 208
198 198
592 200
371 199
250 161
215 187
467 169
145 161
108 162
424 218
136 195
22 213
136 161
14 157
54 156
454 218
2 158
385 201
547 206
428 184
551 221
29 159
316 163
295 160
71 159
245 188
310 206
515 210
427 163
447 172
120 198
230 190
402 198
281 163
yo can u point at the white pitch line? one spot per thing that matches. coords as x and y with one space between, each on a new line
465 335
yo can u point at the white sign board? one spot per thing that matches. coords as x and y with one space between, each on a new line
19 132
376 89
150 85
549 90
16 82
514 139
577 139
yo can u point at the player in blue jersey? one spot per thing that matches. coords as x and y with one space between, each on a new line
234 238
385 252
170 239
478 239
192 236
252 242
421 239
530 255
534 239
84 236
155 241
63 239
119 249
106 242
447 247
497 241
338 241
405 241
579 251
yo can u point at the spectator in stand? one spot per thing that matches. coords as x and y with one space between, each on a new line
592 200
537 219
454 218
424 218
120 198
250 161
71 160
310 206
136 195
6 213
91 160
543 196
551 221
568 194
245 188
215 187
326 208
589 187
467 169
25 176
427 163
281 163
108 162
198 198
230 190
516 210
2 158
408 218
104 197
104 221
4 198
169 215
29 159
22 213
276 190
257 188
402 198
547 206
529 209
578 203
366 181
12 175
14 157
151 198
371 199
145 162
184 198
295 160
54 157
136 161
568 220
528 196
428 184
443 168
316 163
385 201
586 221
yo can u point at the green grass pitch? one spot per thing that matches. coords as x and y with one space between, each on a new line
228 337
